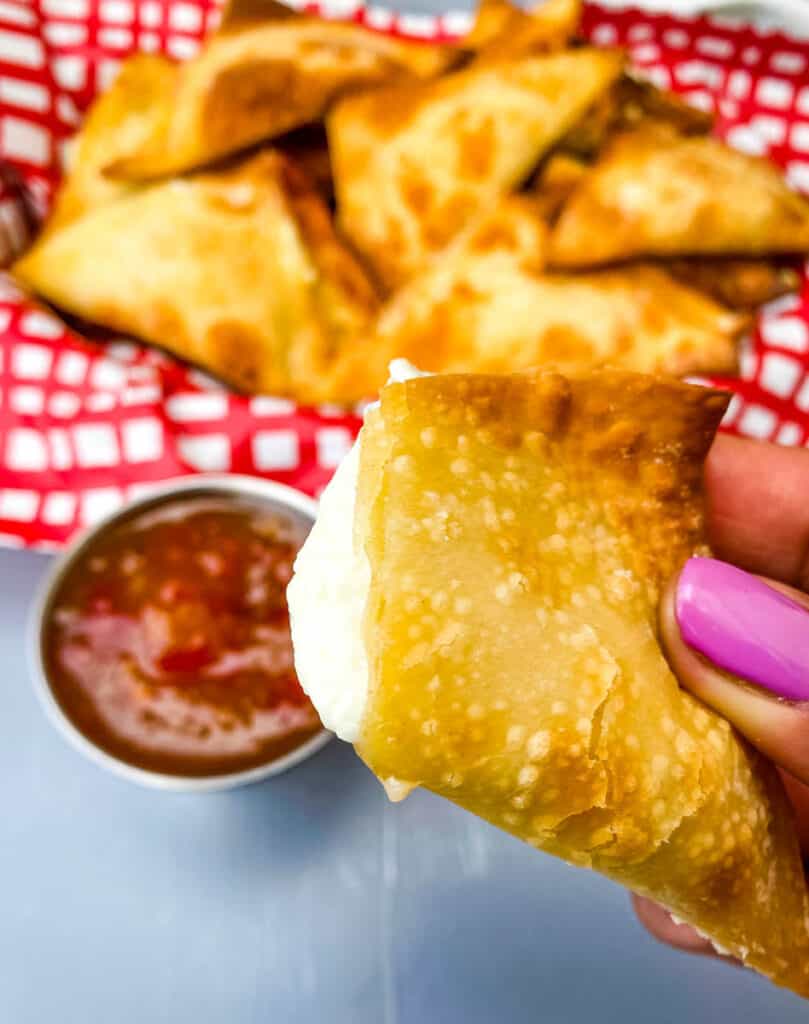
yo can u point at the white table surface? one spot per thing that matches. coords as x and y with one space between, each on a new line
307 898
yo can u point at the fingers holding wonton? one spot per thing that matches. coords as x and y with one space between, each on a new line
413 165
238 271
656 193
500 563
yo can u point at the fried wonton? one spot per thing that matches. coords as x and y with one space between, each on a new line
257 79
414 164
657 193
737 283
238 271
518 531
503 30
487 306
629 103
121 118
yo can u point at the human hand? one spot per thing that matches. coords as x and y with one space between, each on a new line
716 621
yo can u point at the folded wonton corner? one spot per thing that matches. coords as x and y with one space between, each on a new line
120 119
503 30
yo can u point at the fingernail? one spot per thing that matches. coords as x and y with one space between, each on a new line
744 626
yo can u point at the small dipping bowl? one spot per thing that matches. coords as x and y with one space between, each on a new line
288 505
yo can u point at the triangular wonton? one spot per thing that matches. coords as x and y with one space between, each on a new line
413 164
258 79
655 193
487 305
238 271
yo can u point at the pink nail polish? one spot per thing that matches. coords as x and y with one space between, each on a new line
744 626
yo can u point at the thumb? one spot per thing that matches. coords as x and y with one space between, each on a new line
741 644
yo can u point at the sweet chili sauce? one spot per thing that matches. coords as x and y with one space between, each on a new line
168 641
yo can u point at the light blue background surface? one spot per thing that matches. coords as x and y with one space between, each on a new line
306 898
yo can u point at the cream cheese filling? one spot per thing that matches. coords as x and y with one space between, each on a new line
327 597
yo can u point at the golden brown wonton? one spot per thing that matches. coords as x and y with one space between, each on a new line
503 30
257 79
656 193
519 530
488 306
238 271
413 164
119 120
461 191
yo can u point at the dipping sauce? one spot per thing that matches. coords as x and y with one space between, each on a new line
168 642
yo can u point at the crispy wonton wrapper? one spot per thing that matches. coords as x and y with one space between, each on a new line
268 312
413 164
519 531
743 284
121 119
502 30
486 305
261 77
656 193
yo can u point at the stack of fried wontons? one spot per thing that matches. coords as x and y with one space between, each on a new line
307 199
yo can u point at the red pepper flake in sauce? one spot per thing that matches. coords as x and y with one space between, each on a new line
168 644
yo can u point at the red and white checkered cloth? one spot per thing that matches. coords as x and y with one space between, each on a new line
85 424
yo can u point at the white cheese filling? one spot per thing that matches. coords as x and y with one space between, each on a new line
327 597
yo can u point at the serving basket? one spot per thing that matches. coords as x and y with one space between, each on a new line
88 420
